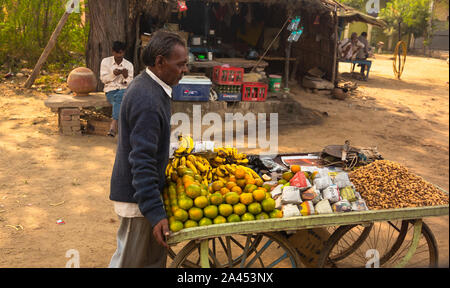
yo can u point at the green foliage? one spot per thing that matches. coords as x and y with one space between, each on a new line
357 4
26 27
411 15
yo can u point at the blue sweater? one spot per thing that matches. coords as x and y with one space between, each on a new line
143 148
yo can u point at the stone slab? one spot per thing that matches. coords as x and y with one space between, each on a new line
68 100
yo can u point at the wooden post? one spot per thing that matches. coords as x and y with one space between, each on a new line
335 52
286 66
50 45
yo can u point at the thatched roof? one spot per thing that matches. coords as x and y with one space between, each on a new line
351 15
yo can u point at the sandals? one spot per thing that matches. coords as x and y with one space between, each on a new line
111 133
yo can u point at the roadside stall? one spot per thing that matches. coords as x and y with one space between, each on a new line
324 209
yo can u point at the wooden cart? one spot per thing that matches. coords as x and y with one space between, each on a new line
205 242
375 238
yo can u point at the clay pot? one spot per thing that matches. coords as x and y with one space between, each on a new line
339 94
82 80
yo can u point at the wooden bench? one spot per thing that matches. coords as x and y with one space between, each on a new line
69 107
366 62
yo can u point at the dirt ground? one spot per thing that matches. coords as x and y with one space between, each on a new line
45 177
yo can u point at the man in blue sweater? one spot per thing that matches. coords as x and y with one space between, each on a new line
138 178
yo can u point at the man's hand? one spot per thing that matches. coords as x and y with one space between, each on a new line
117 72
161 231
125 73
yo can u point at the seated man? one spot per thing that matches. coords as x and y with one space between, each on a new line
349 48
363 53
116 73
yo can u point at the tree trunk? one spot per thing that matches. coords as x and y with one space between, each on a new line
108 23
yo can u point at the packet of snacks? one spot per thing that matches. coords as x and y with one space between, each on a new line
299 180
291 195
348 193
309 194
306 208
323 207
290 210
342 180
342 206
331 193
359 205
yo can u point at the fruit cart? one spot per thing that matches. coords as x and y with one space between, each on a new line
382 238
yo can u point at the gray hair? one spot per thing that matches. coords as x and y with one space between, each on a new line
161 43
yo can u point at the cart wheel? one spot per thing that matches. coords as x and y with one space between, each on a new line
234 244
265 250
391 240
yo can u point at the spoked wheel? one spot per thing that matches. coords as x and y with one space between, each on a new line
268 250
220 244
385 245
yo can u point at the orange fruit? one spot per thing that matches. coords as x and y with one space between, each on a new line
287 175
176 226
195 213
241 182
236 189
268 195
190 224
240 173
201 202
232 178
282 181
247 217
232 198
187 178
230 185
268 205
193 191
276 214
180 215
216 199
224 191
262 216
205 222
246 198
174 208
171 219
233 218
211 211
254 208
259 182
259 195
185 203
225 210
239 209
295 168
219 220
217 185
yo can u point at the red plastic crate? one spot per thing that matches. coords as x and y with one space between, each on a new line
227 75
254 91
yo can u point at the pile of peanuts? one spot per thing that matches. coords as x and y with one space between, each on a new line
384 184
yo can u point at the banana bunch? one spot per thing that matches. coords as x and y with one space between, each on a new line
185 145
198 164
224 171
229 156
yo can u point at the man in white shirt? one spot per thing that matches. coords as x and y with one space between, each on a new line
349 48
116 73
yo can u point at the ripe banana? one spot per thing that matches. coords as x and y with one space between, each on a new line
182 145
182 161
192 166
